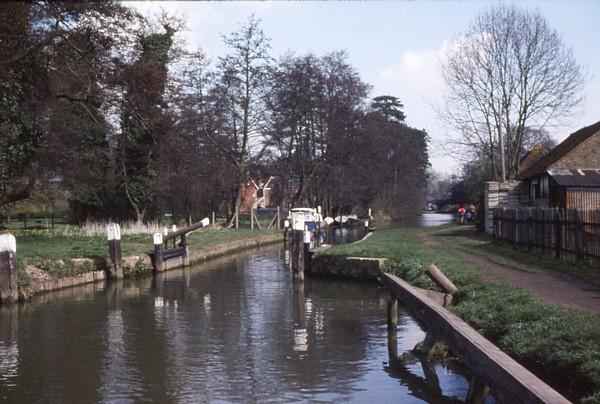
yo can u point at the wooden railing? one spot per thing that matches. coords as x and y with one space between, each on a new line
167 247
567 234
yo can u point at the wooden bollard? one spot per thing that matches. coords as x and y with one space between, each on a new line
213 220
286 229
113 234
9 291
478 391
158 252
441 280
278 217
306 247
298 254
392 312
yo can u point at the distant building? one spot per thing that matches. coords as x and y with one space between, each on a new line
568 176
256 194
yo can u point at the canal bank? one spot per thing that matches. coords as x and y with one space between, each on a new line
44 275
549 340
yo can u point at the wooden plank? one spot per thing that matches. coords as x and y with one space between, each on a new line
510 382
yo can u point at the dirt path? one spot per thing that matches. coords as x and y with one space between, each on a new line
550 286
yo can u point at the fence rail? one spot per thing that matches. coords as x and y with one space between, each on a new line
568 234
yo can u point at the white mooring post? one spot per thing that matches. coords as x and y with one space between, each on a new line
9 291
158 249
113 234
307 237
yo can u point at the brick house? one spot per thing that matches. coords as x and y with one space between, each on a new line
568 176
256 194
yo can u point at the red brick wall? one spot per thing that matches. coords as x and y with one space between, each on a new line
586 155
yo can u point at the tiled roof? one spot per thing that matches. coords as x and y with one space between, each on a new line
574 140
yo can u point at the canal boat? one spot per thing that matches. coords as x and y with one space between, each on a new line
306 218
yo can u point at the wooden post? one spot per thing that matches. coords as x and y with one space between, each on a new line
237 217
441 280
392 312
186 259
213 220
578 236
9 291
478 391
306 252
158 252
392 335
297 252
278 218
558 233
251 218
530 231
286 230
113 234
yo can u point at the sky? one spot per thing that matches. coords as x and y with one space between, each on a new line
396 46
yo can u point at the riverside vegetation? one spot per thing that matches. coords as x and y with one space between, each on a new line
557 344
54 252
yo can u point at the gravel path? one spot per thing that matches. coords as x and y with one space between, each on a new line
550 286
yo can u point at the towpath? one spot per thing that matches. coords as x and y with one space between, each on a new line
552 287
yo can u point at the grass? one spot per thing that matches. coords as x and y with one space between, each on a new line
46 249
510 255
561 346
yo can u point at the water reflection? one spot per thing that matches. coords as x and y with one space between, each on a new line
435 219
235 329
9 348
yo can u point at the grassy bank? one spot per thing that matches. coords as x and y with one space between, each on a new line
51 251
561 346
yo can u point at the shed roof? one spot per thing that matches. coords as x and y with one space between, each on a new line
576 178
574 140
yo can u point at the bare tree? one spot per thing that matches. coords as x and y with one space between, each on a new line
241 95
510 71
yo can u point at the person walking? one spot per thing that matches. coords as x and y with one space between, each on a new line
461 214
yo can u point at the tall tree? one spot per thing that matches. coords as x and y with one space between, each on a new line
389 106
241 95
143 119
53 58
508 72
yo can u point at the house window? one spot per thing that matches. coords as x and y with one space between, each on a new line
535 189
545 187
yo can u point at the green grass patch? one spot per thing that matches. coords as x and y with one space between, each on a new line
51 251
561 346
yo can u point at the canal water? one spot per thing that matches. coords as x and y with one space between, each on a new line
436 219
235 329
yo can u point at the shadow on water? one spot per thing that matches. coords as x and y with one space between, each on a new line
234 329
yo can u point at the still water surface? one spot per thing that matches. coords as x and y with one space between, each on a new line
235 329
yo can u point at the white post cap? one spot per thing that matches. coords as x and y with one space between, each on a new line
306 236
174 228
158 238
8 242
113 231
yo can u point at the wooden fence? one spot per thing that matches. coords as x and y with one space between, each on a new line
568 234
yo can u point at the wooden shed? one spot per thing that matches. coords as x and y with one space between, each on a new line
569 175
